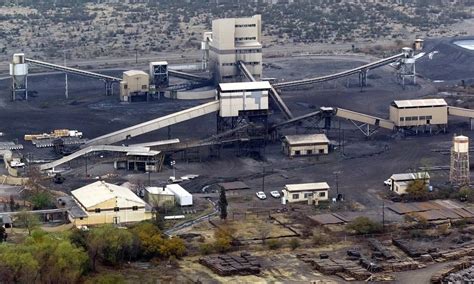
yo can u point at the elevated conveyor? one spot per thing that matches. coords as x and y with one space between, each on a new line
187 76
462 112
155 124
91 149
342 74
72 70
365 121
273 93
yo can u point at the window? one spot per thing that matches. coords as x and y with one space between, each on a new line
422 117
297 153
116 209
429 117
402 119
246 26
125 86
307 195
135 208
81 218
144 87
321 151
97 210
322 194
295 196
309 152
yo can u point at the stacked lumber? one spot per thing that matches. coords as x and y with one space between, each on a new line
376 245
407 247
227 265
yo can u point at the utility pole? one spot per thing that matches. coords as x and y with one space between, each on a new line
65 73
336 173
383 215
263 180
173 163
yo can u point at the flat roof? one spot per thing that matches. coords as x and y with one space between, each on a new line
158 190
146 154
306 139
134 73
420 103
159 63
307 186
410 176
244 86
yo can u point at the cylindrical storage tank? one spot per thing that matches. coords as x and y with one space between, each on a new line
18 58
461 144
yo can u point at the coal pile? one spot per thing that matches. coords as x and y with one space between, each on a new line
228 265
449 61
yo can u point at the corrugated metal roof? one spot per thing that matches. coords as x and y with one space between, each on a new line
307 186
100 191
159 63
420 103
244 86
410 176
306 139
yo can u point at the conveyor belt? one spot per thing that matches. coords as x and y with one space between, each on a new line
155 124
462 112
187 76
90 149
346 73
72 70
365 118
273 93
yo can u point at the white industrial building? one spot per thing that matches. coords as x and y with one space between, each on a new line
159 196
401 182
234 40
105 203
305 145
181 195
311 193
244 96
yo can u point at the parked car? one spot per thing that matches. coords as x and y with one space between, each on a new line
261 195
275 194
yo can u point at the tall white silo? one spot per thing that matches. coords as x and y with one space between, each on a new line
19 74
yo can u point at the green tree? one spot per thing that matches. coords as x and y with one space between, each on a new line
223 238
417 190
149 237
17 265
223 204
173 247
27 220
41 200
363 225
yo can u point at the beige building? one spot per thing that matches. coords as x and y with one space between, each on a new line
412 113
159 196
233 40
305 145
105 203
400 182
311 193
134 86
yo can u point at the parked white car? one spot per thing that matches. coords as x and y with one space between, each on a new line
275 194
261 195
388 182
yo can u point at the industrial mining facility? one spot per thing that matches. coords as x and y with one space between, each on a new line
350 167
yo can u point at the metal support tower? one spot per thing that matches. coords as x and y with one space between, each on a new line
363 78
459 174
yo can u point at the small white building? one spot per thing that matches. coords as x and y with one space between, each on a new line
181 195
105 203
400 182
158 196
311 193
305 145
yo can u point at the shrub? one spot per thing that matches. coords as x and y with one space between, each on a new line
294 243
320 239
363 225
273 244
205 249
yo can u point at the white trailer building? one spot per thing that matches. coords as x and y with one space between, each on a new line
182 196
